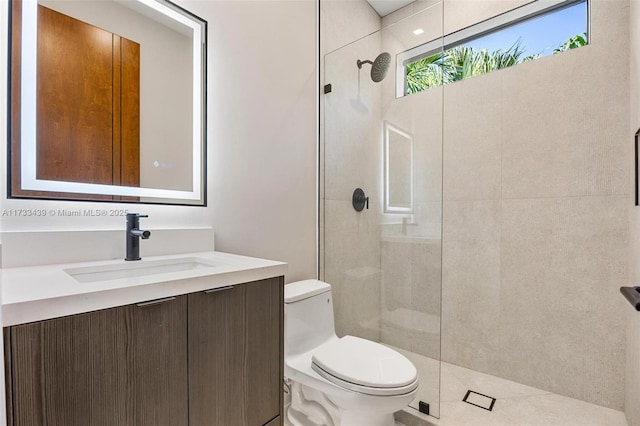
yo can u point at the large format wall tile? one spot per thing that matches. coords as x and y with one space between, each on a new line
604 363
426 299
426 113
353 126
411 284
426 279
397 271
459 14
343 21
632 371
609 28
471 284
563 261
632 389
575 150
412 9
472 138
420 115
566 116
352 267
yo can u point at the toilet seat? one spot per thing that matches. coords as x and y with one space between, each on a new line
364 366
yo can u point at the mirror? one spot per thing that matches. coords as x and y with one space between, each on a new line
398 170
107 101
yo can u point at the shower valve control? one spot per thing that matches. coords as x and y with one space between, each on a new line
359 200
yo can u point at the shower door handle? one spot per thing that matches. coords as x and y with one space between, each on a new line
359 200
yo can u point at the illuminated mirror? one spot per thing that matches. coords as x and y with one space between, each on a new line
107 101
398 170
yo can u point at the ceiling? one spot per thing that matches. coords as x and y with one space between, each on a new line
385 7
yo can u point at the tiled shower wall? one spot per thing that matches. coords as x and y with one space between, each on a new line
411 254
535 216
632 390
534 242
349 243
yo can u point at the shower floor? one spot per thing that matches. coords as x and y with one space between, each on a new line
515 404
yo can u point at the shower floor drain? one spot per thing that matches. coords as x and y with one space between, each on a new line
479 400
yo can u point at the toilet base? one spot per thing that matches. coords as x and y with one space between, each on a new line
310 407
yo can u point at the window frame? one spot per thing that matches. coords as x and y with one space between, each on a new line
507 19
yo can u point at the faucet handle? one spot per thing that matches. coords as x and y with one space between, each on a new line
137 215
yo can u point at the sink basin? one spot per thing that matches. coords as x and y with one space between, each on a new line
138 269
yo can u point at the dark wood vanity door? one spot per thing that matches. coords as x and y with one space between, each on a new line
265 350
235 355
122 366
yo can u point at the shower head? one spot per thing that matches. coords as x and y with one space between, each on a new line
379 66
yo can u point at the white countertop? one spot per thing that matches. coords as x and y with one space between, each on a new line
43 292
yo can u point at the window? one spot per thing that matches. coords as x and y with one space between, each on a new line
538 29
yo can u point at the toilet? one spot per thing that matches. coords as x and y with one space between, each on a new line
335 381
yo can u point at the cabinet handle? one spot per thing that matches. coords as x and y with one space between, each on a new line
154 302
215 290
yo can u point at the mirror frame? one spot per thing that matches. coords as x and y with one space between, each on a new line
27 124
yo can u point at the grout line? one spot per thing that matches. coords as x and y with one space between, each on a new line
559 197
503 398
457 200
543 393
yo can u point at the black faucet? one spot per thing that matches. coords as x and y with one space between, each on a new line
134 234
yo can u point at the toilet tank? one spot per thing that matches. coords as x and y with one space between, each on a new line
308 315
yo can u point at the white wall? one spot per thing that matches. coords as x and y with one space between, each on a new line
262 129
262 80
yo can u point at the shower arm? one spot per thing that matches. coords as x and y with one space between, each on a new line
361 63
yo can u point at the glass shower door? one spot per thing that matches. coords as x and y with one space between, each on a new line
381 247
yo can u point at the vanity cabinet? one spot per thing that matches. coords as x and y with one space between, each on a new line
211 358
235 348
119 366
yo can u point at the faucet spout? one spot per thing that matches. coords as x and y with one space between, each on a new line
140 233
133 236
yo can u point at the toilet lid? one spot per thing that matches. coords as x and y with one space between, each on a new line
365 364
